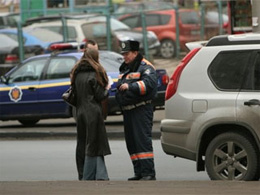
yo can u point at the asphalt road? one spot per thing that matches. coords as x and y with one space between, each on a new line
176 184
66 128
29 167
54 160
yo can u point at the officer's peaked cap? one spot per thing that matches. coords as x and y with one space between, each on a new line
129 45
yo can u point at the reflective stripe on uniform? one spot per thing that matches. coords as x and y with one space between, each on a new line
141 156
142 87
133 75
148 63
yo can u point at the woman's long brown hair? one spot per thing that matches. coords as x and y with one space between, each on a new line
91 56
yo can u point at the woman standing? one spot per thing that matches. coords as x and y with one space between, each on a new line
90 82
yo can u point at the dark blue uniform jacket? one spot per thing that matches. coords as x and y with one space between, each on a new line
142 79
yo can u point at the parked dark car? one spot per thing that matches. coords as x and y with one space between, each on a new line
33 90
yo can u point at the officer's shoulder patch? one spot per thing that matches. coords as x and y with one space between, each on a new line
148 71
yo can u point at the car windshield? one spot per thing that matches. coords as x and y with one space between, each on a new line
109 64
13 19
9 20
189 17
99 28
115 24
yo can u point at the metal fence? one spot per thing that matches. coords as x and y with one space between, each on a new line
41 7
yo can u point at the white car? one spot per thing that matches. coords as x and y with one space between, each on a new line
212 108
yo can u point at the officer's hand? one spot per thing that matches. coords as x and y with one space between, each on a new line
123 87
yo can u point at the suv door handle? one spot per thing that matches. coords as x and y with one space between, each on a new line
253 102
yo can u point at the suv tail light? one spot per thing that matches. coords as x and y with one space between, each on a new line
174 80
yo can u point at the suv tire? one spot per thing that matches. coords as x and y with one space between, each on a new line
168 49
232 156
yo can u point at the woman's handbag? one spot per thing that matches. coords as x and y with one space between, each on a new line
69 97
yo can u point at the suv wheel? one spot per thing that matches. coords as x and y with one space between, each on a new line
231 156
167 49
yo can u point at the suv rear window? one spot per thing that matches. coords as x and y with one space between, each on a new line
227 70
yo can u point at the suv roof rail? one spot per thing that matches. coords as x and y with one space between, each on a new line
240 39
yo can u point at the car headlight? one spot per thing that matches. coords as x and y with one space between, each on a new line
151 34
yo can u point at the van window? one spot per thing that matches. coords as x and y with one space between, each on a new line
165 19
153 20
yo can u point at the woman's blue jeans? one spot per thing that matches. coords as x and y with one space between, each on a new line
95 168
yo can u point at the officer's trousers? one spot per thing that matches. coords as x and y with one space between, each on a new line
138 124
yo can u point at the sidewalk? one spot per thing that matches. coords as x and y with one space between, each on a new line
130 187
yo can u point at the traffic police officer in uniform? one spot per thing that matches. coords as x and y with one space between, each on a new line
137 87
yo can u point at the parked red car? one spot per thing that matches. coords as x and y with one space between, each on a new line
163 24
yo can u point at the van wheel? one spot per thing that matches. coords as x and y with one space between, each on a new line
29 122
168 49
231 156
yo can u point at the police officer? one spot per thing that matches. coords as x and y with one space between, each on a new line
137 86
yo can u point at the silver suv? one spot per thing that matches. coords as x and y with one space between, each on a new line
212 108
